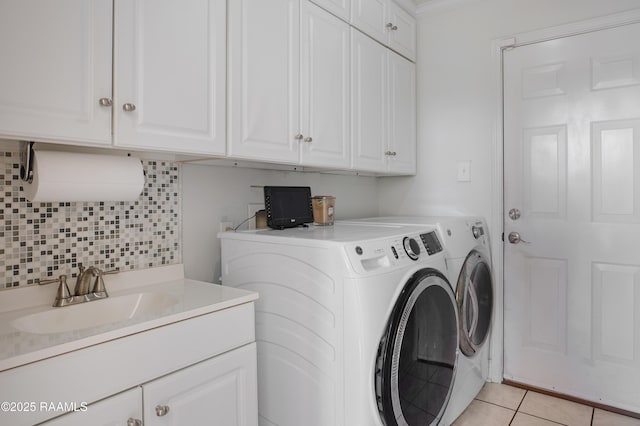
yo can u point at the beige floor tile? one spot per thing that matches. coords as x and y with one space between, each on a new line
503 395
480 413
555 409
522 419
606 418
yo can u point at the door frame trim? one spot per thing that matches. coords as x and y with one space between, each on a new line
498 47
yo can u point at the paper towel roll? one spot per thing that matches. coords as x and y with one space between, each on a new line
69 176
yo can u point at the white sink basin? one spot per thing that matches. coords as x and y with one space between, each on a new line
95 313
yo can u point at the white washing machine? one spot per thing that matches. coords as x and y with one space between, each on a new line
356 325
468 259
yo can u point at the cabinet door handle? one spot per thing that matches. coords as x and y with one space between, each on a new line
298 137
390 153
309 139
134 422
162 410
105 102
128 107
392 27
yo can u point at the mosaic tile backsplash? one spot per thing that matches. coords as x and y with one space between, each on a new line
45 240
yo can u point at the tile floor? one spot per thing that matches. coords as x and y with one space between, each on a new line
502 405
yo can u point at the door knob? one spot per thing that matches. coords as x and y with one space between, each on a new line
514 238
128 107
134 422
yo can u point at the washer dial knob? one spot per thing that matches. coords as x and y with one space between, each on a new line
412 248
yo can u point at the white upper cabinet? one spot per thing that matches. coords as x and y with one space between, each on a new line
264 79
56 68
402 115
386 22
370 17
324 102
402 33
169 90
289 78
383 110
368 103
340 8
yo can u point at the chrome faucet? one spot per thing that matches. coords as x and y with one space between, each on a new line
89 286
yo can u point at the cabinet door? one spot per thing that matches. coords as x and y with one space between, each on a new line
264 79
368 103
112 411
340 8
218 391
170 66
402 115
56 65
370 17
324 88
402 34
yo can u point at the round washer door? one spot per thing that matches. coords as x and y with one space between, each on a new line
417 355
474 296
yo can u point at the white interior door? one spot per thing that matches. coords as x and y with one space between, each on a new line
572 169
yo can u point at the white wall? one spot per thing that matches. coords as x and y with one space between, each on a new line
212 194
456 97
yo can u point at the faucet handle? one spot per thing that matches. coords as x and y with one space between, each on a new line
63 291
99 286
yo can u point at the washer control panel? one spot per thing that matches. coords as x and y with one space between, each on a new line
431 243
411 247
404 250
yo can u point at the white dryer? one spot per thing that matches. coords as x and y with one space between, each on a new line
468 259
356 325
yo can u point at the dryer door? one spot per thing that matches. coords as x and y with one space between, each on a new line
474 296
417 355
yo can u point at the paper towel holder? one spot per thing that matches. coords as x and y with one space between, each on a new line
26 161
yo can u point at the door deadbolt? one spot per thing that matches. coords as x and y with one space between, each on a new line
514 214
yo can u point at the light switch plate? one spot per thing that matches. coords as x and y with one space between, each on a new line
464 171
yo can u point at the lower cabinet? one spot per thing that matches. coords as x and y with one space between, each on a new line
219 391
112 411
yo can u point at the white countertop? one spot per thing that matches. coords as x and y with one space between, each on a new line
193 298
